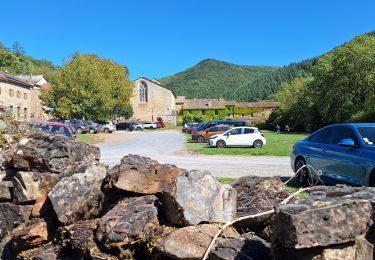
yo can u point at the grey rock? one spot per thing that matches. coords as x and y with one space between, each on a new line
131 220
11 216
197 197
51 153
142 175
246 247
6 188
79 197
190 242
325 223
255 195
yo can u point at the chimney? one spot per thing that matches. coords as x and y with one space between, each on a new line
209 103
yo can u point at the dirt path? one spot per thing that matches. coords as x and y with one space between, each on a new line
168 147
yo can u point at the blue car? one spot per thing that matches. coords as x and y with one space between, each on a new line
342 153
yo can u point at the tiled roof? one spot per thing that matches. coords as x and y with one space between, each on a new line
7 77
261 104
204 104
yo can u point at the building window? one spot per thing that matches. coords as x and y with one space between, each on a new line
18 94
11 110
11 92
143 92
18 113
25 113
216 112
25 96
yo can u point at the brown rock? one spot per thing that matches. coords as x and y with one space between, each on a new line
11 216
255 195
44 252
131 220
142 175
6 191
30 235
190 242
41 207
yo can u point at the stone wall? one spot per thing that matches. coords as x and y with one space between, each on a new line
160 103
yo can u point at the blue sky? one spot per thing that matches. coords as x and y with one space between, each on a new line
156 38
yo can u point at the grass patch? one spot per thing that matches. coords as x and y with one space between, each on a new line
225 180
89 138
277 145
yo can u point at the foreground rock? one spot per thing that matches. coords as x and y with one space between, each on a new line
79 197
28 186
325 220
131 220
255 195
51 153
190 242
142 175
11 216
248 246
6 191
197 197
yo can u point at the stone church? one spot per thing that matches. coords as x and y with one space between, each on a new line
151 100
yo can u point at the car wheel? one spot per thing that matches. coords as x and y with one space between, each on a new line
79 130
92 131
201 139
303 174
258 143
151 127
221 144
106 130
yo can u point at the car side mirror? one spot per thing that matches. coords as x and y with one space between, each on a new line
347 142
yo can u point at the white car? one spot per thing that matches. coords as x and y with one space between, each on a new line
108 127
150 125
238 136
138 126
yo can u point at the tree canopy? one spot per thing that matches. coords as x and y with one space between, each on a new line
90 87
341 89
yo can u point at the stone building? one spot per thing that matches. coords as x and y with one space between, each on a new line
20 95
151 100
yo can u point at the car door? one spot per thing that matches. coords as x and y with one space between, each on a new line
211 131
234 137
342 164
248 137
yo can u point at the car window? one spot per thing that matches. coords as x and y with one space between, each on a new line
236 131
323 136
249 131
367 134
342 132
213 129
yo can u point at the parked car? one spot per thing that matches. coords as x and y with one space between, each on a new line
239 136
160 124
80 126
186 126
53 128
93 127
233 123
129 126
107 126
69 125
149 125
344 153
138 126
202 136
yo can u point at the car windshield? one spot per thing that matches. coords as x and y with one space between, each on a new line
367 134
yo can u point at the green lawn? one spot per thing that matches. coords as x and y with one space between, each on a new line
277 145
89 138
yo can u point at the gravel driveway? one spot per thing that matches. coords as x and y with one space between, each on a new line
169 147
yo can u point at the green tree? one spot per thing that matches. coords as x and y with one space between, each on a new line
90 87
8 61
17 49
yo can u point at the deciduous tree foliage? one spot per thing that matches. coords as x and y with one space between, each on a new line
341 89
90 87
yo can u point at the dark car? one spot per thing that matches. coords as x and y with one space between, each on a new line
186 126
124 126
53 128
342 153
93 127
80 125
232 123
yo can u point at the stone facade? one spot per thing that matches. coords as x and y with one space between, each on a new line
20 97
151 100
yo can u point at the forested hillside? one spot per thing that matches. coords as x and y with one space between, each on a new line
217 79
14 60
213 79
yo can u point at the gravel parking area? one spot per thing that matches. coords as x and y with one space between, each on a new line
169 147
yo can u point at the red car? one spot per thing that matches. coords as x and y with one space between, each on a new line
160 124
